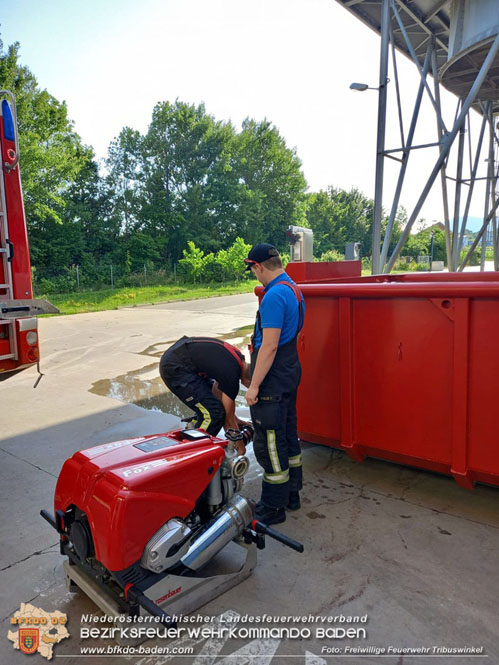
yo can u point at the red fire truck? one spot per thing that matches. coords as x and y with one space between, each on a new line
18 309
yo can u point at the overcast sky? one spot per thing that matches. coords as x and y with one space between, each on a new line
290 61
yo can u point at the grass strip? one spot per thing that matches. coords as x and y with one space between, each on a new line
106 299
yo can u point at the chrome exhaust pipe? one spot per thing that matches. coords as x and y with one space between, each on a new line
228 523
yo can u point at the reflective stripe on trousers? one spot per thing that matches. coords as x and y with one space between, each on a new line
276 478
206 416
272 450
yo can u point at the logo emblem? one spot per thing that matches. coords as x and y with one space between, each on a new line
29 639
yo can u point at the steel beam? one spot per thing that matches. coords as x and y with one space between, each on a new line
405 158
414 147
415 58
472 182
457 199
397 87
490 191
493 184
479 235
492 195
443 179
447 142
436 8
380 143
421 24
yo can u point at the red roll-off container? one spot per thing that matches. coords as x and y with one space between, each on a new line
403 368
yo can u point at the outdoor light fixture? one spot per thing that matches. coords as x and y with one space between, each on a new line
363 86
359 86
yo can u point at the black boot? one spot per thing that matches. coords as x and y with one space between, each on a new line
294 501
269 515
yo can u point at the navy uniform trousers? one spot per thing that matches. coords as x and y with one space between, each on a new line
275 442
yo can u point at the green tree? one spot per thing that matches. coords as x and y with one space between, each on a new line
89 208
337 217
329 230
196 179
124 178
272 192
439 246
86 235
143 251
417 245
51 152
186 165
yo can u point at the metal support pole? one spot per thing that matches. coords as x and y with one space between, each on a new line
493 185
479 235
145 275
380 143
443 176
457 199
405 159
78 276
411 50
469 142
490 190
112 281
484 236
472 182
447 144
496 246
397 89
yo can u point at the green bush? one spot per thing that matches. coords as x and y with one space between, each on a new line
196 266
475 257
332 255
226 265
59 284
195 261
401 265
232 260
215 272
46 286
141 278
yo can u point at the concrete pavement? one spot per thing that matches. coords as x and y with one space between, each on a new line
407 548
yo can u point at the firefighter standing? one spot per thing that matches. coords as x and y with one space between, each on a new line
275 375
204 373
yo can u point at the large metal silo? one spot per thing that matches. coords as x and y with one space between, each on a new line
474 24
455 42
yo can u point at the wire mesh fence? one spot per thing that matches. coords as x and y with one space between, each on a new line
75 278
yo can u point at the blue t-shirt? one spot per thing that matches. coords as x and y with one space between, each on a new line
279 309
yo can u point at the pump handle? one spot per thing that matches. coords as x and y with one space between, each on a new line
260 527
134 595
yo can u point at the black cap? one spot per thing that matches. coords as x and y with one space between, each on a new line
260 253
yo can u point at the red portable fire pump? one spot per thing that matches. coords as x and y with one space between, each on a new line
18 325
156 524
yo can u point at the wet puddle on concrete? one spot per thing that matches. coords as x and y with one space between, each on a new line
145 388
